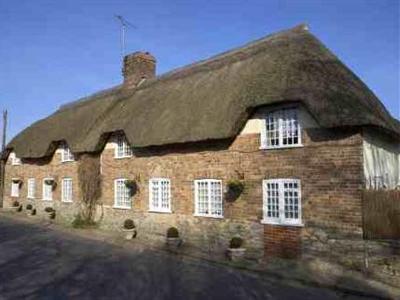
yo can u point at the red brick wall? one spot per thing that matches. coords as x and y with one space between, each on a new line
329 167
282 241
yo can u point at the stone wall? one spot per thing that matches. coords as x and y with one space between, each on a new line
329 166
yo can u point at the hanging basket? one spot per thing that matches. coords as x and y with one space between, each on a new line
51 182
234 189
17 180
132 186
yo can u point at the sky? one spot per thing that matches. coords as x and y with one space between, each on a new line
54 52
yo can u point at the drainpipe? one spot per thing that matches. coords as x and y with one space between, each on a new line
2 161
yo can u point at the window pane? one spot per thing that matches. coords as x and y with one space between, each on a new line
216 198
122 196
15 189
67 190
31 188
209 197
291 200
123 148
272 130
202 197
272 200
165 195
290 127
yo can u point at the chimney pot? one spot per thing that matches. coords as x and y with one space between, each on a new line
138 66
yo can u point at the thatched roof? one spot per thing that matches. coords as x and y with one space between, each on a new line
212 99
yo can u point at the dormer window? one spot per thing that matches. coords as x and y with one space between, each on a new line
15 161
281 129
122 149
66 154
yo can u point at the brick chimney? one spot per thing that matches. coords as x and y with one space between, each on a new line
138 66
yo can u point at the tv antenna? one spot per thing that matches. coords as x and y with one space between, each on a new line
124 25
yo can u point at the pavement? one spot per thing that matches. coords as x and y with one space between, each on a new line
42 261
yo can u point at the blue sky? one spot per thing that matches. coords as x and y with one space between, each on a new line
53 52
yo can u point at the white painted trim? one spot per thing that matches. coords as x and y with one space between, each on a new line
281 220
62 190
43 184
196 194
278 113
159 209
118 139
28 196
115 195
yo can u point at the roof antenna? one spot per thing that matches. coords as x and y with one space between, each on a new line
124 25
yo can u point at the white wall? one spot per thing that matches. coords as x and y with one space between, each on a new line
257 121
381 161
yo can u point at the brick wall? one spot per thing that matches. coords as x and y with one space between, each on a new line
329 167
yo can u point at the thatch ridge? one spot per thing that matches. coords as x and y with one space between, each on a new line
212 99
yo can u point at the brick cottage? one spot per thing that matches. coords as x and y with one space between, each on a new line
281 117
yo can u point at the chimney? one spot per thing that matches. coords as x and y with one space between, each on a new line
137 67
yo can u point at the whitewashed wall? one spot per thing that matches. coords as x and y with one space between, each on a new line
381 161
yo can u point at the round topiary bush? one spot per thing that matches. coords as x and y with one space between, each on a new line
49 209
172 232
129 224
15 204
29 207
236 242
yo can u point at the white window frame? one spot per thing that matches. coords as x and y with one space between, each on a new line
281 220
66 154
196 198
281 116
160 194
15 187
122 147
31 186
44 185
116 200
67 191
15 161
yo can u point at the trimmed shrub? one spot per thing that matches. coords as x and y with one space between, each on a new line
33 212
172 232
129 224
15 203
49 209
236 242
29 207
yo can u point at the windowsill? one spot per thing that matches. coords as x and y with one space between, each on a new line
30 198
67 202
281 147
160 211
47 199
122 207
13 196
208 216
122 157
67 161
268 222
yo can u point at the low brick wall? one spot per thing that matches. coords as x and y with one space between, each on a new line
282 241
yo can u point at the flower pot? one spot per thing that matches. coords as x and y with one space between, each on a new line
236 254
50 215
28 212
173 243
129 233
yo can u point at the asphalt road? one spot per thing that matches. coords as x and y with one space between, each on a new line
39 262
